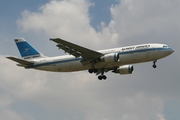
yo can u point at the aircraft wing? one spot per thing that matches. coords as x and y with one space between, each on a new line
77 51
21 61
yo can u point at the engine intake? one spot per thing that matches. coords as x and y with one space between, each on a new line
125 69
112 57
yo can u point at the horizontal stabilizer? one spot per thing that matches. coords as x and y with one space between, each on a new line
21 61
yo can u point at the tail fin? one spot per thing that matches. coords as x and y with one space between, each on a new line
26 50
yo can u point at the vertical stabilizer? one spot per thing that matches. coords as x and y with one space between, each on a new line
26 50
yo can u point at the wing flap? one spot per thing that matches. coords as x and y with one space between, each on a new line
20 61
69 50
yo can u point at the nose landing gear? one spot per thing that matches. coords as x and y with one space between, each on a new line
154 64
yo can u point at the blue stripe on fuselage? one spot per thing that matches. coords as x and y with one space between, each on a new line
144 50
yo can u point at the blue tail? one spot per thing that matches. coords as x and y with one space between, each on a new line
26 50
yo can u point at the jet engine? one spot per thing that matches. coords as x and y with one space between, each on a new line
112 57
125 69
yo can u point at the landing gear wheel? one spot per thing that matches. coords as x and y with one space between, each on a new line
100 77
154 66
104 77
90 70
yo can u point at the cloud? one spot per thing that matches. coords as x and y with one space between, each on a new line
67 19
75 94
143 21
80 95
15 84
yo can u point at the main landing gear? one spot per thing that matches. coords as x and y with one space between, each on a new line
100 77
93 70
154 64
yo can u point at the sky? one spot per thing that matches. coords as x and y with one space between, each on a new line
146 94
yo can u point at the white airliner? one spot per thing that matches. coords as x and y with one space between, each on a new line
117 60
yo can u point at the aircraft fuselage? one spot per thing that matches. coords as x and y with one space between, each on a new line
127 55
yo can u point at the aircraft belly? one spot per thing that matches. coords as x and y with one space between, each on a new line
47 68
71 66
77 66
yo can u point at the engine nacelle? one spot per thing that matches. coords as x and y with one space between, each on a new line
112 57
125 69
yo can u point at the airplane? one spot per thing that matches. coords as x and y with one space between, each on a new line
117 60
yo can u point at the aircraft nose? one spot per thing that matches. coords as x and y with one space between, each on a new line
170 50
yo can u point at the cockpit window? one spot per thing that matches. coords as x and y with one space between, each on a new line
165 46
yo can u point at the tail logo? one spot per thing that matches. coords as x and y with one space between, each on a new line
26 49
